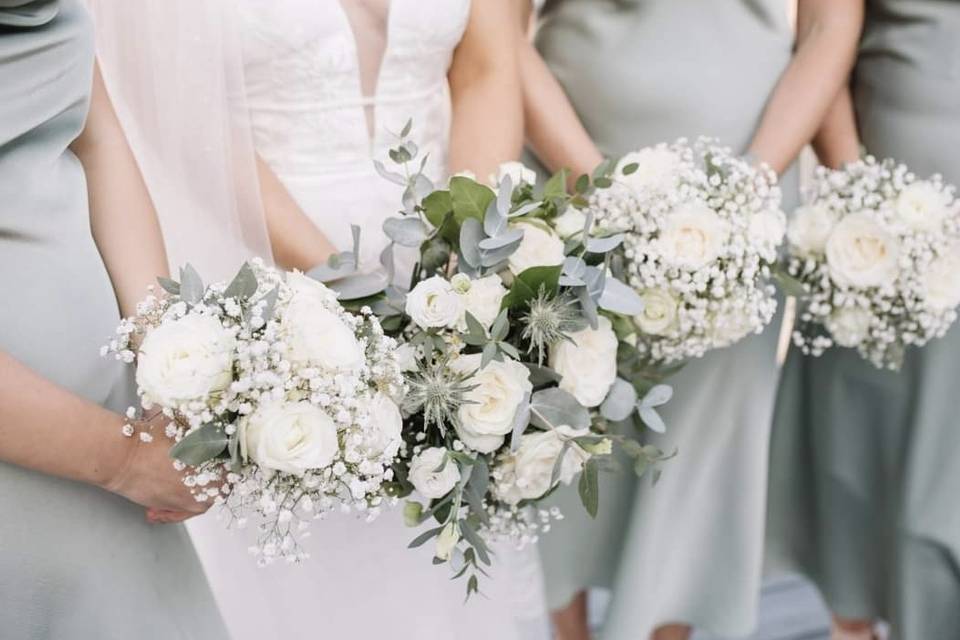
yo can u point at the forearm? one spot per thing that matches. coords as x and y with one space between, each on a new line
553 129
122 217
487 126
45 428
837 141
296 241
827 35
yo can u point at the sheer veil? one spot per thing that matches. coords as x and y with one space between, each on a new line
174 71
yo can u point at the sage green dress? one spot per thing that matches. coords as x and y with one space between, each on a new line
865 464
76 563
689 549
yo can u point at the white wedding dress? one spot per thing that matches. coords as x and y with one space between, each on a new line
327 82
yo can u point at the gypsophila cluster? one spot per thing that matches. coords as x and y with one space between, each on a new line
281 403
877 252
702 230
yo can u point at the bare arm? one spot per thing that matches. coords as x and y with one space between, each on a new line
827 34
837 141
296 241
122 218
484 80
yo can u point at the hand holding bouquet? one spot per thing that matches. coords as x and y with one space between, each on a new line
876 253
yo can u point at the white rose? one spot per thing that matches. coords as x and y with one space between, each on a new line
659 312
466 173
293 437
482 300
809 229
425 478
941 282
657 168
693 236
570 223
921 206
185 360
383 435
407 357
861 254
315 335
538 248
849 326
447 541
518 172
434 303
588 364
767 229
526 474
498 390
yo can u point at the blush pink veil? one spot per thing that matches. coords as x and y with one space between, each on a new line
174 70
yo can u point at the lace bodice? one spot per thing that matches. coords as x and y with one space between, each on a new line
304 88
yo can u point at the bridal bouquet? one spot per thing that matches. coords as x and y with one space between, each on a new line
877 253
281 401
701 231
510 335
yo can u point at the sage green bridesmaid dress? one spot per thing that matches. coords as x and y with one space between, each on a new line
689 549
865 464
76 563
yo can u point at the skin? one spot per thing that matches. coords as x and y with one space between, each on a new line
825 51
53 431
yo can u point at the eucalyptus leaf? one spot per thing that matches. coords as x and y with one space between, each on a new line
540 375
527 284
509 350
525 209
469 198
630 168
556 186
553 407
337 266
386 261
436 206
407 232
595 277
423 537
501 326
471 233
521 420
652 419
582 183
589 488
200 445
504 196
605 168
360 285
388 175
191 286
243 285
496 256
507 236
270 298
658 395
422 186
494 220
558 463
588 307
620 401
475 541
490 353
604 245
619 298
170 286
406 128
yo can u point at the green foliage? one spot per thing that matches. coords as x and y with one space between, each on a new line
527 285
200 445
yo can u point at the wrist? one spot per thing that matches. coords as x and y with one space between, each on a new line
116 457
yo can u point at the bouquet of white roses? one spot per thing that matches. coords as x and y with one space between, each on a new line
701 231
512 346
877 253
281 402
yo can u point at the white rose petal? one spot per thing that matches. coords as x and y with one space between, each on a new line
570 223
425 478
498 390
518 172
407 357
767 229
539 248
292 437
435 303
386 424
447 541
941 282
921 206
860 253
809 229
658 169
693 236
588 364
185 360
659 312
482 300
526 474
849 326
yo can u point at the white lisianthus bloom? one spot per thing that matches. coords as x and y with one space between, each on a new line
809 229
941 282
293 437
447 541
498 390
659 312
185 360
482 300
315 335
921 206
426 478
588 364
407 357
539 248
434 303
657 169
518 172
693 236
526 474
767 228
860 253
386 424
849 326
570 223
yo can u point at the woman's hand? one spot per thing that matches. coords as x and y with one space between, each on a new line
146 475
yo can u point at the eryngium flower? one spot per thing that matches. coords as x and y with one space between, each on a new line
439 393
549 320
